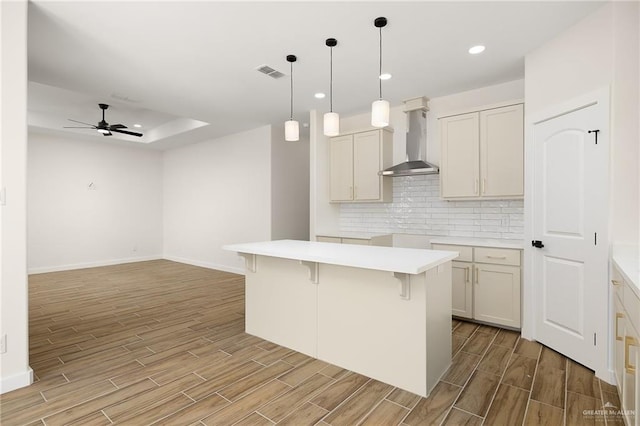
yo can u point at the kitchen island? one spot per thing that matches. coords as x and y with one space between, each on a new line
379 311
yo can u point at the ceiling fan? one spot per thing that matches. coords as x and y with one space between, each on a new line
104 127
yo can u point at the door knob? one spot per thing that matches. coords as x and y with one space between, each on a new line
537 244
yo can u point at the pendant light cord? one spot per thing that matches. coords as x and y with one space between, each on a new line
380 73
291 115
331 81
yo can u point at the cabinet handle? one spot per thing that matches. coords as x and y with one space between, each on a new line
484 185
466 274
351 192
629 341
618 316
496 257
616 283
477 273
475 191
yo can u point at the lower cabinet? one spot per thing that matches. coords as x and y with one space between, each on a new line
462 290
497 294
377 240
626 320
486 284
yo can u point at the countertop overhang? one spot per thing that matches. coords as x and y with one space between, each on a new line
392 259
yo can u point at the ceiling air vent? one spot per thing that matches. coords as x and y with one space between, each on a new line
266 69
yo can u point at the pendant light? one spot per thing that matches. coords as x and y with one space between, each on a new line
380 108
331 119
291 128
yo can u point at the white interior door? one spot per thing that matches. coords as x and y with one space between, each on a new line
570 206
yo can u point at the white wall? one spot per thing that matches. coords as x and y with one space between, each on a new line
625 122
289 186
600 51
72 226
215 193
14 364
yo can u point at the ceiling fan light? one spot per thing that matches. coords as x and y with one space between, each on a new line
380 113
291 131
104 131
331 124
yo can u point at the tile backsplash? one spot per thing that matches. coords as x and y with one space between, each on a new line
418 209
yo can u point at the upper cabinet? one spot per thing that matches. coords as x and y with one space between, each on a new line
354 162
483 154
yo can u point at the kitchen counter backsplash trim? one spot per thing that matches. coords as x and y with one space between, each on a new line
418 209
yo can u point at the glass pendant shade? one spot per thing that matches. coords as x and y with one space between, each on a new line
291 131
331 124
380 113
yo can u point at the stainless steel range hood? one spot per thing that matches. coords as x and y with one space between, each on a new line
416 110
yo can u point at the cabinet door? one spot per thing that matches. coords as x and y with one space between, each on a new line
459 170
618 345
341 168
366 165
356 241
461 289
631 377
497 294
323 239
502 151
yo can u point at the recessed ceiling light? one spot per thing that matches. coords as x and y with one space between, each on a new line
385 76
137 125
476 49
319 95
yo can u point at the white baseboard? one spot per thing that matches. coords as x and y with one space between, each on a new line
44 269
16 381
208 265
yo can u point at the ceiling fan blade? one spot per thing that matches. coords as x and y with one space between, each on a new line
107 134
82 122
126 132
117 126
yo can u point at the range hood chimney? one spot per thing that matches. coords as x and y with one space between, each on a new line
416 110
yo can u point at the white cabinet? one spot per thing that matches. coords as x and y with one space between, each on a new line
460 148
354 162
377 240
483 154
626 320
461 289
486 284
497 294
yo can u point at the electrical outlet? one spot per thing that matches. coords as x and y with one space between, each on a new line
3 344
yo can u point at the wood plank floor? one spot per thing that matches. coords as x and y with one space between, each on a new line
161 342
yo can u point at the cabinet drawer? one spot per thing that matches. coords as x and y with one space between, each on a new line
497 256
617 283
632 306
322 239
466 252
358 241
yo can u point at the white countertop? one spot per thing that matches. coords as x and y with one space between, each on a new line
627 259
479 242
392 259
